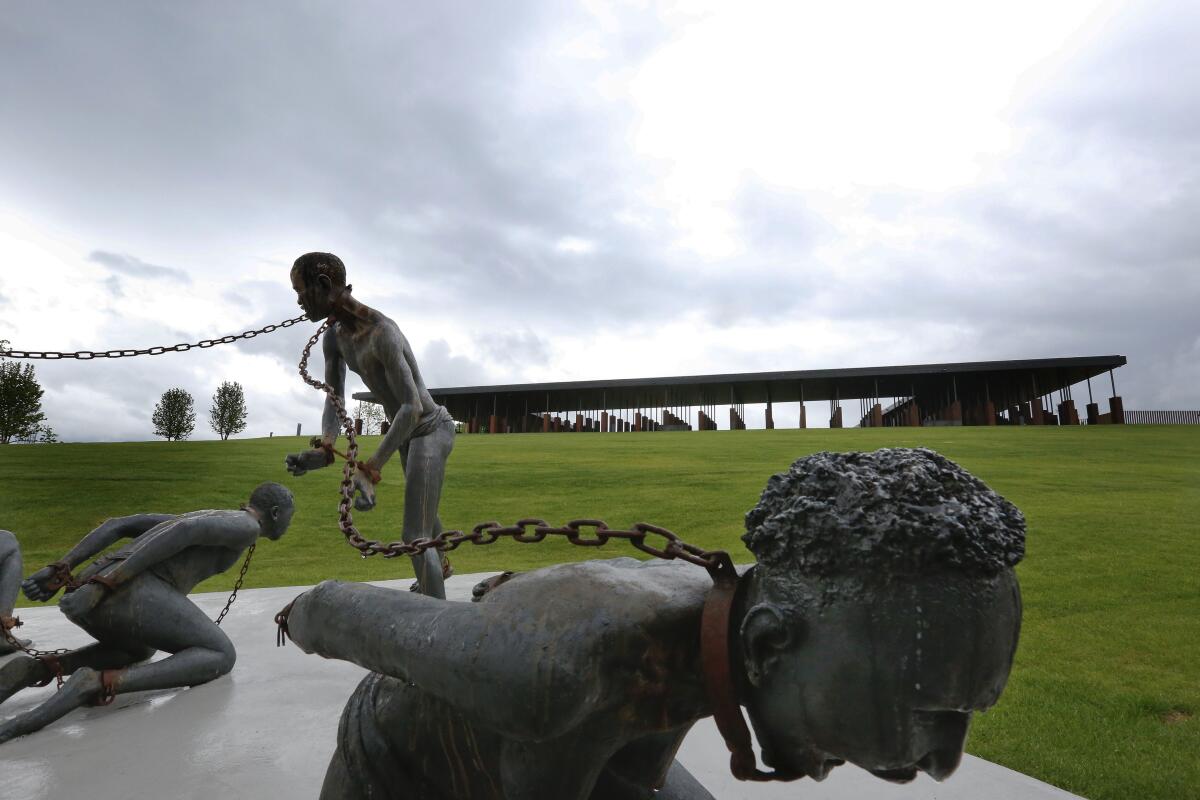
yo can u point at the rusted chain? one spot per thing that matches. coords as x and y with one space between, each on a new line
574 531
63 578
88 355
49 658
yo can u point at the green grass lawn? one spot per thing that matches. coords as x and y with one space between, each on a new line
1105 697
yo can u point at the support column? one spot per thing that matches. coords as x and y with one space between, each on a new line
1116 411
493 423
579 423
546 422
803 416
989 413
877 416
1067 414
1093 413
604 422
835 421
770 418
358 426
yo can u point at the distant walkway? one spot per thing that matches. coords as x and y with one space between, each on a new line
267 730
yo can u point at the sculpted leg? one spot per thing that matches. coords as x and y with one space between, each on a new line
424 469
162 619
80 688
10 581
24 671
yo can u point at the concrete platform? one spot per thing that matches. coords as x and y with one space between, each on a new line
267 730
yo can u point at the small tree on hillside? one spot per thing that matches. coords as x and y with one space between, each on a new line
371 415
20 400
173 417
228 413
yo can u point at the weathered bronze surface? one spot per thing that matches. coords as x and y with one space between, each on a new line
357 337
134 602
881 612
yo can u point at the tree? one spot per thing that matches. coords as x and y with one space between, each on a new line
173 416
371 415
20 400
44 434
228 413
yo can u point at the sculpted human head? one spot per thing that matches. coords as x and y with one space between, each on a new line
273 505
883 611
318 279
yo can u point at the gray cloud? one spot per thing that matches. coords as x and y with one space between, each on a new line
445 157
136 268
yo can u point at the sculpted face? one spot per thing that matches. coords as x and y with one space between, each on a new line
316 298
885 677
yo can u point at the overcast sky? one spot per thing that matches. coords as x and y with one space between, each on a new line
542 191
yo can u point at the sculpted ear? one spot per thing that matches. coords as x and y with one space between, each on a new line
274 512
765 635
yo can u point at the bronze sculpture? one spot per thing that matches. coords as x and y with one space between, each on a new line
882 610
372 345
10 585
134 602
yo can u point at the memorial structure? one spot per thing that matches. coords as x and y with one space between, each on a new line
1036 391
882 611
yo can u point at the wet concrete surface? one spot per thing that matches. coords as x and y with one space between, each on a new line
267 730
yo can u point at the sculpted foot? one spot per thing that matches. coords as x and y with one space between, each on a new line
7 647
23 671
82 687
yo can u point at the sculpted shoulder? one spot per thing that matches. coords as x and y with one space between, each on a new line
595 593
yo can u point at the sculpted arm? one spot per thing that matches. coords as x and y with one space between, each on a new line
335 376
111 531
166 540
104 536
478 659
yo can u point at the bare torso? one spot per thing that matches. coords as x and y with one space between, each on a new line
371 350
192 563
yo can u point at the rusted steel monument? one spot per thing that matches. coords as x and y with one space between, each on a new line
1018 392
882 611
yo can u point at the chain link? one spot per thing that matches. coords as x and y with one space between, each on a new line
238 585
530 530
49 658
88 355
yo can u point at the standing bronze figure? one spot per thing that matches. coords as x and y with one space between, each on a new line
372 345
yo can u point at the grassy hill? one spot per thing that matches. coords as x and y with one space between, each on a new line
1105 696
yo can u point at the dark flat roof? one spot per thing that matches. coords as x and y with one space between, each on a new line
1003 381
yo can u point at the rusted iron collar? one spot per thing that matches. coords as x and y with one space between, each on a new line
716 660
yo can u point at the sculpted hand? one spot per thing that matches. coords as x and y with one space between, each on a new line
300 463
364 490
34 586
82 600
